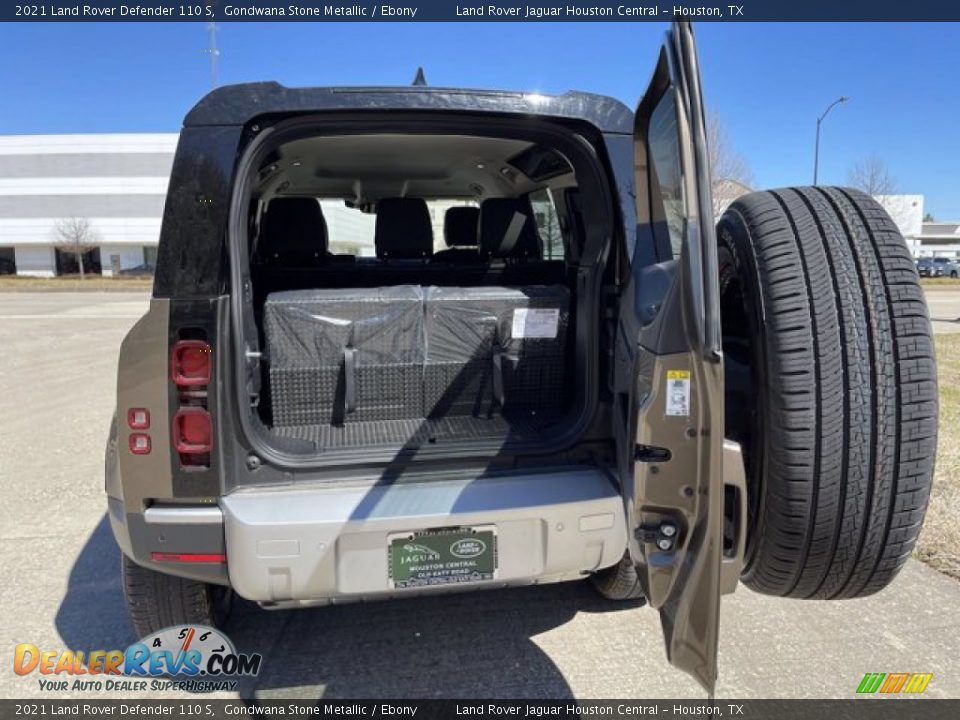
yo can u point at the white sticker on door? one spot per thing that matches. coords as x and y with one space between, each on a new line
678 392
535 323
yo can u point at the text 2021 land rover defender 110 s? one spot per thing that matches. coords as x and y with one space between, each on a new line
406 340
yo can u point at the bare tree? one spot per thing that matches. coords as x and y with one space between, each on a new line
872 176
732 176
76 235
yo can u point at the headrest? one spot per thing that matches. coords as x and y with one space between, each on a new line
403 229
507 229
460 226
294 232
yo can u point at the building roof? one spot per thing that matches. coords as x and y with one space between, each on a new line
940 230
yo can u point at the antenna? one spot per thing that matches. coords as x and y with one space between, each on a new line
212 29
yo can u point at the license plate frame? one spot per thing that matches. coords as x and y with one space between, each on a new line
442 556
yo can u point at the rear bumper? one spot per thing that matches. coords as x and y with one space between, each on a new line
321 545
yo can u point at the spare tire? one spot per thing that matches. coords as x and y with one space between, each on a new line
831 389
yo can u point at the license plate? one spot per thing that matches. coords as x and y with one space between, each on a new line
443 556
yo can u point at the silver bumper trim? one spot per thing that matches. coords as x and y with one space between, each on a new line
168 515
330 544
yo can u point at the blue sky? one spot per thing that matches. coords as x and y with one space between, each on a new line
767 82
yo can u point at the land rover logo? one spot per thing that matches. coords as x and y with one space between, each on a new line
468 548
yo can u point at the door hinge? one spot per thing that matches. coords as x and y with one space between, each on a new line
663 534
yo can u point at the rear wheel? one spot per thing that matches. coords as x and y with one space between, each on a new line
619 582
831 388
156 600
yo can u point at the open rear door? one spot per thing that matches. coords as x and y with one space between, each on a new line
669 370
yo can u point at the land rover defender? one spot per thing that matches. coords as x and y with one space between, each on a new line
414 340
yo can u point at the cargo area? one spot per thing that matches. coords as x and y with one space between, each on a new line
413 292
415 364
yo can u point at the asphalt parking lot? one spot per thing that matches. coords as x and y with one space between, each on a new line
58 354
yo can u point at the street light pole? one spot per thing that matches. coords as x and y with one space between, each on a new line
816 151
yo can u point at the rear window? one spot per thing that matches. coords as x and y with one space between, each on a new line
351 230
548 225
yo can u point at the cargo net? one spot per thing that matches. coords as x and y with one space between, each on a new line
451 357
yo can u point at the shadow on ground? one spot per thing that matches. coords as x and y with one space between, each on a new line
460 645
92 615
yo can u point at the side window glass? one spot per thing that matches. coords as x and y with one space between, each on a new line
548 225
663 142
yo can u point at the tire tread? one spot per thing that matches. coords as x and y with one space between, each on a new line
850 391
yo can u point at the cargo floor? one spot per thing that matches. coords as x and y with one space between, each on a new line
414 432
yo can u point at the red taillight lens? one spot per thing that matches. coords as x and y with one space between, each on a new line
192 431
190 363
138 418
139 443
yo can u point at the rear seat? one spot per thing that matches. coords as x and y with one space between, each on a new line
345 355
507 230
294 234
293 247
403 230
510 244
460 225
341 356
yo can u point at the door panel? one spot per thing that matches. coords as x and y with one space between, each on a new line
669 371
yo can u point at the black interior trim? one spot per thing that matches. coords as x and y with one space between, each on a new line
599 223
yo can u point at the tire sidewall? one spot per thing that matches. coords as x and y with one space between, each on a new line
737 260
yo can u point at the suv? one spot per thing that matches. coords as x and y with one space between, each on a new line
593 379
938 267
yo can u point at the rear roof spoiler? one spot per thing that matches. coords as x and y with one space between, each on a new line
238 104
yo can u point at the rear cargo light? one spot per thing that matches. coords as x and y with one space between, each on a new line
138 418
139 443
190 363
192 431
188 557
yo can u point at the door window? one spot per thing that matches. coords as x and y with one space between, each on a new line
663 141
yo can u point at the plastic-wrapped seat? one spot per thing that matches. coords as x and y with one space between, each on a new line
492 349
341 356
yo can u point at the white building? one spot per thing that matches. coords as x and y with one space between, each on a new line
925 239
117 183
940 239
907 212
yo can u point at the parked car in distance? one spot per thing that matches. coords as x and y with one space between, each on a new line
138 271
948 267
938 267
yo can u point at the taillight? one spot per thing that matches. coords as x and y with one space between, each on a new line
138 419
190 363
139 443
192 431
